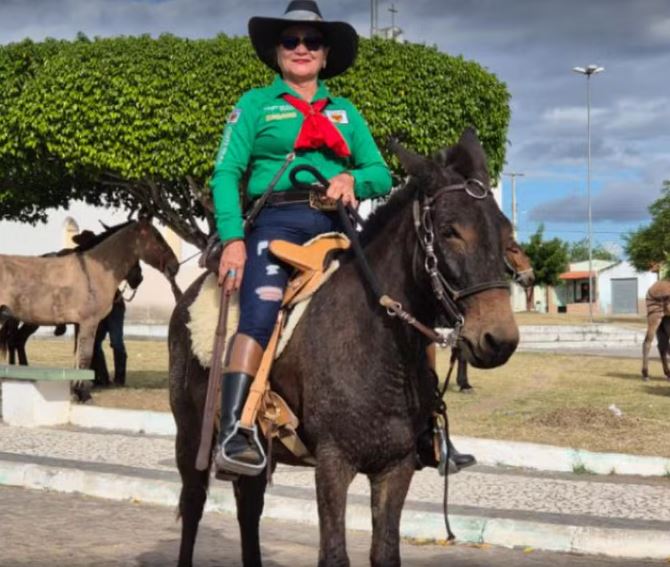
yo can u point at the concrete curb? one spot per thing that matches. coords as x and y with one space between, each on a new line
613 542
488 451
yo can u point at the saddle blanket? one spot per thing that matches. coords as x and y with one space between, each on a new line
204 315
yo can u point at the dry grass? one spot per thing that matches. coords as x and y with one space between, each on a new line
544 398
565 400
532 318
147 377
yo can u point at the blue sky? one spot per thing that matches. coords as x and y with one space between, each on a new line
531 45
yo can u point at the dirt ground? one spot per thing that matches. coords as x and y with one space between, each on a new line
538 397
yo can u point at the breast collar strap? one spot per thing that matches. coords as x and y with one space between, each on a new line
445 294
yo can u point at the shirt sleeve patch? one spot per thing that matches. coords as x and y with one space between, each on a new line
338 116
234 116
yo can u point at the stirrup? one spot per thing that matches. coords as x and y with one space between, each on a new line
446 464
224 462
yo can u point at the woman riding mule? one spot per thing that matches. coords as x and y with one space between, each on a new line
293 121
358 380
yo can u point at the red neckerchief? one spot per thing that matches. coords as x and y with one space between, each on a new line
317 130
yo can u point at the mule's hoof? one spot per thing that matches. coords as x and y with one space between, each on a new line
645 378
82 396
468 390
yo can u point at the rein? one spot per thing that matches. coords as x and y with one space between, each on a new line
446 295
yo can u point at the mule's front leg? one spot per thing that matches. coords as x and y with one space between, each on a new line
653 321
333 477
84 354
389 490
250 497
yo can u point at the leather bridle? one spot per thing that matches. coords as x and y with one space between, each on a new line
446 295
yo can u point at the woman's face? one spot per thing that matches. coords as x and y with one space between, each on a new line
301 53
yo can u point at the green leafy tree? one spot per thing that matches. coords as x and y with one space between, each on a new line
650 245
579 252
135 121
549 259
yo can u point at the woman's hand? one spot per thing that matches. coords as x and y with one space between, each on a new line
233 258
342 186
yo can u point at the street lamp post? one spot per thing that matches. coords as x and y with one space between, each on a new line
513 176
588 71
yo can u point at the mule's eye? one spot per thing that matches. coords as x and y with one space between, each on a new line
448 231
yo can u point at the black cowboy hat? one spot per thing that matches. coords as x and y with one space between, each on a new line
84 237
340 37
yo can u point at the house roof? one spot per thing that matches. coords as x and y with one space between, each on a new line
576 275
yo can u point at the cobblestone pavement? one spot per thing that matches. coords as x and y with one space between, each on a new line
122 534
486 488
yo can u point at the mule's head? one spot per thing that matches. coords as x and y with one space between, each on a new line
134 277
154 250
469 243
518 264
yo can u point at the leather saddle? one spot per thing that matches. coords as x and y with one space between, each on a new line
263 406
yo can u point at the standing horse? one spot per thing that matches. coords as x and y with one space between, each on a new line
358 380
14 334
658 323
519 267
79 288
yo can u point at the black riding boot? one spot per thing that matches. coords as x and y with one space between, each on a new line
238 450
425 453
460 460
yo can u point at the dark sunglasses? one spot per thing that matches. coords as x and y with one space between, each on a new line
311 42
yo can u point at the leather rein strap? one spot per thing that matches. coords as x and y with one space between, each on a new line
213 386
446 295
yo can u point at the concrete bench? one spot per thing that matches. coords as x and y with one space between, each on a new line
34 396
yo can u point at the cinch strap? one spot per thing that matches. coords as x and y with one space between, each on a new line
317 130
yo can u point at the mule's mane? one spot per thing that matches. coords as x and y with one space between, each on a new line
387 212
99 238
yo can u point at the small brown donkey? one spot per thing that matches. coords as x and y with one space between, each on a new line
79 288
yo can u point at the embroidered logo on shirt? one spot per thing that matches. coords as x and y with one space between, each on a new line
234 116
280 116
337 116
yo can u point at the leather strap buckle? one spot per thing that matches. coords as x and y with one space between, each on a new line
320 202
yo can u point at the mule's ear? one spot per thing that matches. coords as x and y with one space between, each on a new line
467 157
412 163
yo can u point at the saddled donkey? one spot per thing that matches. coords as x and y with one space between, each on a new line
519 267
658 323
14 334
79 288
358 380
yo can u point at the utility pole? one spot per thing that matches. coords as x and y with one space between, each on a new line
513 175
374 17
393 11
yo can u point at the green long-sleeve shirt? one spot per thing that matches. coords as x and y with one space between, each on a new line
259 134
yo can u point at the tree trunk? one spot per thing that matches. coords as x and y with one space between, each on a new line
530 296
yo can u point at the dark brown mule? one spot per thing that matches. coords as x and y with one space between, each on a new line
14 334
358 380
79 288
658 323
519 267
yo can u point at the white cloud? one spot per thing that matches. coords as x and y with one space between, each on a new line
660 30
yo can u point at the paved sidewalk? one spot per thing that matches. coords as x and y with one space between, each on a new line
104 533
620 516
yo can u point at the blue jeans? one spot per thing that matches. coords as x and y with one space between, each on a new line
112 325
265 277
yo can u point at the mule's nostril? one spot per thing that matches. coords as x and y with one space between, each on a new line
491 342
